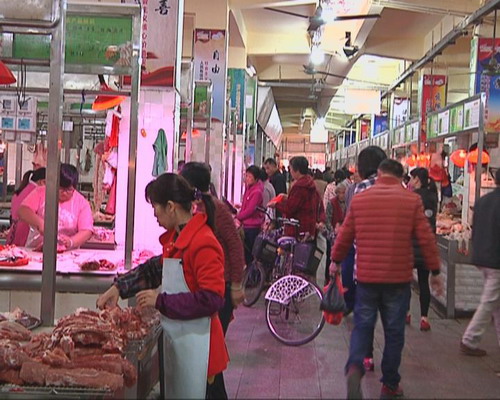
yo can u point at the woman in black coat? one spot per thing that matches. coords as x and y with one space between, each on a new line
423 185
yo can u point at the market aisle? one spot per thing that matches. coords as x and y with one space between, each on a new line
432 366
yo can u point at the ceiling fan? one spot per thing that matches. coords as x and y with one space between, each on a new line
316 21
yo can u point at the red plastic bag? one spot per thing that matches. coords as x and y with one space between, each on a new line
333 304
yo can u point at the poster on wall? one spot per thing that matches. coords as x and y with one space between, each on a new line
210 65
433 95
485 78
236 80
159 41
400 111
379 124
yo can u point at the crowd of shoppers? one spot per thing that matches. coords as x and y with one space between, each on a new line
377 229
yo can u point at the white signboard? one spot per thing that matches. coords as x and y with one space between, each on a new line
444 123
471 114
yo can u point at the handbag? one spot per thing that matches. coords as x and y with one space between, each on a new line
333 303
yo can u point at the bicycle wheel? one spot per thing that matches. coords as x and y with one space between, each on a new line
292 311
254 277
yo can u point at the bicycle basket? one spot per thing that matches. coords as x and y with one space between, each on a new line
264 250
306 258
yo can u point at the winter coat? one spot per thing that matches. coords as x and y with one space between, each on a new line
249 216
304 204
203 266
486 231
430 201
383 220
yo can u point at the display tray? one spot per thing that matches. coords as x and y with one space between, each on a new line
99 245
9 391
69 262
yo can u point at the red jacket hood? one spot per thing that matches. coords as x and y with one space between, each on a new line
306 182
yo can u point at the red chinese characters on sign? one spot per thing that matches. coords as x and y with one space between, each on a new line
433 95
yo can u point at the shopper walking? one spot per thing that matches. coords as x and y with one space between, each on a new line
383 220
277 179
198 176
426 188
268 194
335 214
369 160
320 183
249 217
486 256
338 177
192 280
304 202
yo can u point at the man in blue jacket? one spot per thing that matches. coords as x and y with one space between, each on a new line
486 256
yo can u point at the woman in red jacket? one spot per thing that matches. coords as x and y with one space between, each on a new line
192 290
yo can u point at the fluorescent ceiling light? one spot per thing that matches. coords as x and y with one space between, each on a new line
328 15
317 55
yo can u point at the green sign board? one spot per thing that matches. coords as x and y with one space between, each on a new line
432 126
90 40
236 81
457 119
201 101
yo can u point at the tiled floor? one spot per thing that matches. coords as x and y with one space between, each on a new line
432 366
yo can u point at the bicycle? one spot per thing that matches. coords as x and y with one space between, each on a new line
266 264
293 313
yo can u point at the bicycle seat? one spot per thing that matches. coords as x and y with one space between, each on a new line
286 242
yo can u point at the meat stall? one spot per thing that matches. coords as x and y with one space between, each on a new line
458 133
88 354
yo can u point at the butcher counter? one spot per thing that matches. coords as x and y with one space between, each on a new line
463 282
21 286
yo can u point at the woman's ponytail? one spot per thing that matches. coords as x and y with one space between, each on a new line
209 209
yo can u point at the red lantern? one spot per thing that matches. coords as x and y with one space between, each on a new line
458 158
412 161
104 102
6 76
473 156
424 160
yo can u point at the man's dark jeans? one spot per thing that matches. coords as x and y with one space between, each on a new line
392 302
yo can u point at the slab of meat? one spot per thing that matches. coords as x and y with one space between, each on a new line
55 358
34 373
113 363
12 356
83 377
38 345
11 376
14 331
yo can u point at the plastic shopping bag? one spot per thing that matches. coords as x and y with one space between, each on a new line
333 303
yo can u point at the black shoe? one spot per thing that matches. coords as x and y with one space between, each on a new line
354 383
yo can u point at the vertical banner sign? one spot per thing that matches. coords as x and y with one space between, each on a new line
159 42
486 78
433 89
400 111
210 65
236 92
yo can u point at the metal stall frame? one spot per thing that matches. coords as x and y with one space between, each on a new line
189 117
448 249
57 67
208 115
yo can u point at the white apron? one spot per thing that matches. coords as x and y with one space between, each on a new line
186 343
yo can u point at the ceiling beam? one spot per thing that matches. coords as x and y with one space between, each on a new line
451 37
247 4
